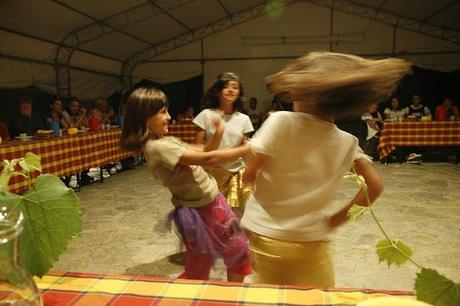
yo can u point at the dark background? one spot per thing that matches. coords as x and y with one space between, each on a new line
432 86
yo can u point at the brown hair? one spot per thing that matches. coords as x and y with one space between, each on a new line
211 97
142 104
338 84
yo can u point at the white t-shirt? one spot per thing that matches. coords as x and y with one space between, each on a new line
306 158
236 125
394 114
371 132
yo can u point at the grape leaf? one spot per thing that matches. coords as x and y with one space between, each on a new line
390 254
31 162
436 289
356 212
8 199
51 218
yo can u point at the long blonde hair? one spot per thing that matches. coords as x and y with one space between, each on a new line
338 84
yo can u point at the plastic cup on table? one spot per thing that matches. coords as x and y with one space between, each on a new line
56 128
93 124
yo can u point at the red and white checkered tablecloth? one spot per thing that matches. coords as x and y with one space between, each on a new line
185 131
414 134
68 154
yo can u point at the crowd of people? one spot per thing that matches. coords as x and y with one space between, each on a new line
59 117
415 111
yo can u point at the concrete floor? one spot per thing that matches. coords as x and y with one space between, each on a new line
124 230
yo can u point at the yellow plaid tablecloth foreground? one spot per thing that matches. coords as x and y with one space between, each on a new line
418 134
59 288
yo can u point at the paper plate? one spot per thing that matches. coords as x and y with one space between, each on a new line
23 138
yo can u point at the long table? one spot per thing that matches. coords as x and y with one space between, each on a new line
60 288
68 154
185 131
420 133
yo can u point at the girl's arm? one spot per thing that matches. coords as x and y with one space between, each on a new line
253 164
200 137
374 189
212 158
66 122
214 142
373 124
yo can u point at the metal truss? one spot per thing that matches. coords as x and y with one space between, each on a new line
198 34
98 29
395 20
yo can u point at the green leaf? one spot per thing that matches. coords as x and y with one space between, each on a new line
356 212
391 253
31 162
436 289
355 178
51 218
8 199
4 179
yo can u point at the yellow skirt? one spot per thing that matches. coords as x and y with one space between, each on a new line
232 187
291 263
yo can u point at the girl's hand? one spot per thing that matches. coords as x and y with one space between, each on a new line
215 120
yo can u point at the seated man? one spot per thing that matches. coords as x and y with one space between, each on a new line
373 119
254 115
103 112
416 109
24 121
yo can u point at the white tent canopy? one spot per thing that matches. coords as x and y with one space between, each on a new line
90 48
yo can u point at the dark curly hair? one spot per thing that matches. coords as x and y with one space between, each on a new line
211 97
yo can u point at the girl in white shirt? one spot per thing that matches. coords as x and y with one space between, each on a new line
395 112
299 159
225 97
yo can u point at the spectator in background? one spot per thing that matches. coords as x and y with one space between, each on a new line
373 119
254 115
24 121
277 103
187 115
77 114
57 116
4 134
416 109
447 111
395 112
103 112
